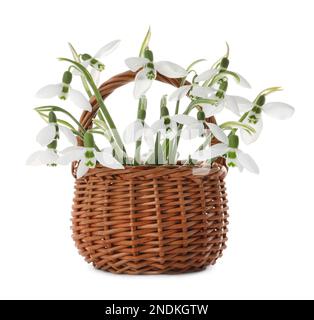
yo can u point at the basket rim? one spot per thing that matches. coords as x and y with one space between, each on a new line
157 170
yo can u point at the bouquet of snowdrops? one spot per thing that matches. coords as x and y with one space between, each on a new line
207 94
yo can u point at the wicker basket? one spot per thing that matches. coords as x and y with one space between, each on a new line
149 219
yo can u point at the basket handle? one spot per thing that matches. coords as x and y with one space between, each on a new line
114 83
120 80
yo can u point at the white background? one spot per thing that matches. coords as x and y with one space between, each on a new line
271 238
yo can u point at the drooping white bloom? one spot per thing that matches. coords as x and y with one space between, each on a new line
88 156
222 69
144 78
64 91
139 129
47 137
276 110
93 61
43 157
199 127
51 132
234 156
167 125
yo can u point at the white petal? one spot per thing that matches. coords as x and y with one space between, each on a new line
35 159
180 93
108 160
206 75
218 149
247 162
68 134
107 49
148 134
95 75
193 131
48 156
142 84
170 69
250 138
278 110
243 103
133 132
158 125
80 100
210 153
218 133
210 109
81 170
231 104
49 91
243 82
183 119
135 63
71 154
202 92
46 135
42 157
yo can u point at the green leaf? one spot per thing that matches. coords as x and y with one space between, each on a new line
145 42
74 53
228 50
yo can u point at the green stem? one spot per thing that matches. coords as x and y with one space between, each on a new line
174 148
77 58
167 149
157 146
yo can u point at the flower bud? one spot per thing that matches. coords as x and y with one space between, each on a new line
224 63
148 54
67 77
52 118
141 114
260 100
88 140
164 112
86 57
201 116
233 141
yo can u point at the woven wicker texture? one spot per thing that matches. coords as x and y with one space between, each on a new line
149 219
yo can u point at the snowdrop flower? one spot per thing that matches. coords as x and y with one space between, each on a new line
196 91
145 77
167 125
139 129
276 110
88 156
223 66
47 137
234 156
64 90
199 127
93 61
47 157
52 131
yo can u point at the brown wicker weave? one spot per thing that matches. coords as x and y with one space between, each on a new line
149 219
